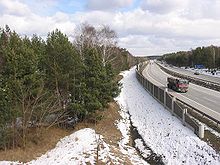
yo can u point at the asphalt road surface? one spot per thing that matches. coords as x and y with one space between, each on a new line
190 73
202 98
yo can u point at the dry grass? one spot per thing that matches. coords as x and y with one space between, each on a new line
48 141
106 127
118 78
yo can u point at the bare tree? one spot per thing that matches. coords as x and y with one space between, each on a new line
35 109
103 39
85 37
107 42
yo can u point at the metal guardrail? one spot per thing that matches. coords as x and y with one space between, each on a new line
199 111
171 103
213 117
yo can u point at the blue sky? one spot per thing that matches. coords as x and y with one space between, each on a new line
144 27
50 7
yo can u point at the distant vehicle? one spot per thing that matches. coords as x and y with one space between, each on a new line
179 85
196 73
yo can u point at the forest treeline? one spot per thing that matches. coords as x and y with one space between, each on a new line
53 81
207 56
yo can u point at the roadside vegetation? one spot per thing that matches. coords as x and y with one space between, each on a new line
207 56
56 82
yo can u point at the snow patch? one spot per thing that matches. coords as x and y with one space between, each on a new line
77 148
161 131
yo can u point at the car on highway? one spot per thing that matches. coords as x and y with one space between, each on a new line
196 73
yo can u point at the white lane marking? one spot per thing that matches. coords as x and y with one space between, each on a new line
204 90
185 96
210 100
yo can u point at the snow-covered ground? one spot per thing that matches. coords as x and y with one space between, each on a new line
80 148
161 131
205 72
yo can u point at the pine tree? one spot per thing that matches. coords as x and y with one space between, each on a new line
42 78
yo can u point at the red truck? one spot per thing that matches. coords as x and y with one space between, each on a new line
179 85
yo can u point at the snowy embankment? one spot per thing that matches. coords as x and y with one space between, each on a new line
77 148
161 131
80 148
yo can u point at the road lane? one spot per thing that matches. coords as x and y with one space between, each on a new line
205 97
191 74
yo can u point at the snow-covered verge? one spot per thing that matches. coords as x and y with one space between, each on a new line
161 131
81 148
124 126
77 148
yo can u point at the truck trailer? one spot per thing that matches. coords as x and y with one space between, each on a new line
179 85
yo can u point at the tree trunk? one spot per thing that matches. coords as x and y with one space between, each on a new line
58 92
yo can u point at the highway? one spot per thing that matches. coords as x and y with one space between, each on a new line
191 74
202 98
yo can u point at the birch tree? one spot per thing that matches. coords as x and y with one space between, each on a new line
107 43
104 39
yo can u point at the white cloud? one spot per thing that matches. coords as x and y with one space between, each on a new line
198 9
108 5
94 17
34 24
147 45
14 7
163 6
191 9
143 32
158 34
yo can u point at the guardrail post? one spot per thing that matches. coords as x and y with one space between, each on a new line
183 117
173 101
158 93
145 83
164 99
201 131
153 89
141 80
